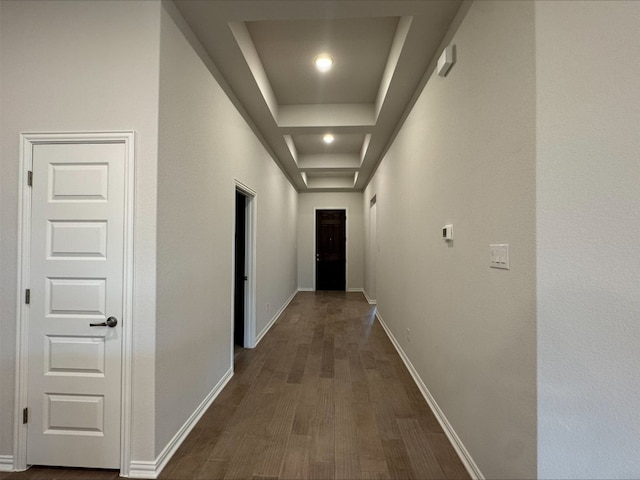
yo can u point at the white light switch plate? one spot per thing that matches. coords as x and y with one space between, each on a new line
499 255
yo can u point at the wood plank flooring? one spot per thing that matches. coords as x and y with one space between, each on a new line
324 396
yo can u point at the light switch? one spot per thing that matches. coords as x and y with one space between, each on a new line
499 255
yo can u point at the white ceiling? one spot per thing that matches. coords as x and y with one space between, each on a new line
262 51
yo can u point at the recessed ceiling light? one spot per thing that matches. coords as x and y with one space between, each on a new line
328 138
323 62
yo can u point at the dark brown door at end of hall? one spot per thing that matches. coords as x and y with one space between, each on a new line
330 249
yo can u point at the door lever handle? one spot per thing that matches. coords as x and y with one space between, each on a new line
110 322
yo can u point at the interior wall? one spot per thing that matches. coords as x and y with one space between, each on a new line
73 67
588 229
204 146
307 204
466 156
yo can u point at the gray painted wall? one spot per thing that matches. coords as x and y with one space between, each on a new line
306 235
588 229
466 156
81 66
204 144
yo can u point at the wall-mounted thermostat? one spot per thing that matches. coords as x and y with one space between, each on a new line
447 232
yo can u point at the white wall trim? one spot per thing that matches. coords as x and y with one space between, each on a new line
370 300
275 317
143 470
363 292
6 463
305 289
457 444
27 141
153 469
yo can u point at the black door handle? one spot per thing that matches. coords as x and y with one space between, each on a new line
110 322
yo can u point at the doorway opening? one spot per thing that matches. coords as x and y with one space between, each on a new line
240 276
243 270
373 252
331 250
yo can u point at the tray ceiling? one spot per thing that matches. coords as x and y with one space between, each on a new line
262 53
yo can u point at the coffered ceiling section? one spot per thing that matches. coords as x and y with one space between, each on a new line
326 129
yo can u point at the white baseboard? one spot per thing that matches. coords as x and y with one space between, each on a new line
153 469
275 317
363 292
371 301
306 289
143 469
457 444
6 463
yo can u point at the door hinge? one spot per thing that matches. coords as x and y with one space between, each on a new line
27 296
30 178
25 415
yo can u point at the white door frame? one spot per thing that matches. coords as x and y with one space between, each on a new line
27 141
250 262
346 244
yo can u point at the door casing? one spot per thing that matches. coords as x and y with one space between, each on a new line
346 244
27 141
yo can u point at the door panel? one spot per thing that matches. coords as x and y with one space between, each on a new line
82 297
330 250
74 414
77 239
76 278
80 181
74 356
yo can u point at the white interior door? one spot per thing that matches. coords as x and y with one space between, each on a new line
76 279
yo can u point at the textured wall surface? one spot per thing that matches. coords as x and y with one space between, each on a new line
588 228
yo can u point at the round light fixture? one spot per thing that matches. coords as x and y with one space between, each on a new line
323 62
328 138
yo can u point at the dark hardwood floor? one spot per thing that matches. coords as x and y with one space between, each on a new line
324 396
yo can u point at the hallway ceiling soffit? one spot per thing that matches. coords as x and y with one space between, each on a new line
263 52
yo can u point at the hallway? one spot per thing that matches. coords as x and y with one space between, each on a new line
324 395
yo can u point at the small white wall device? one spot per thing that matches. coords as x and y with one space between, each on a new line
499 255
446 60
447 232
